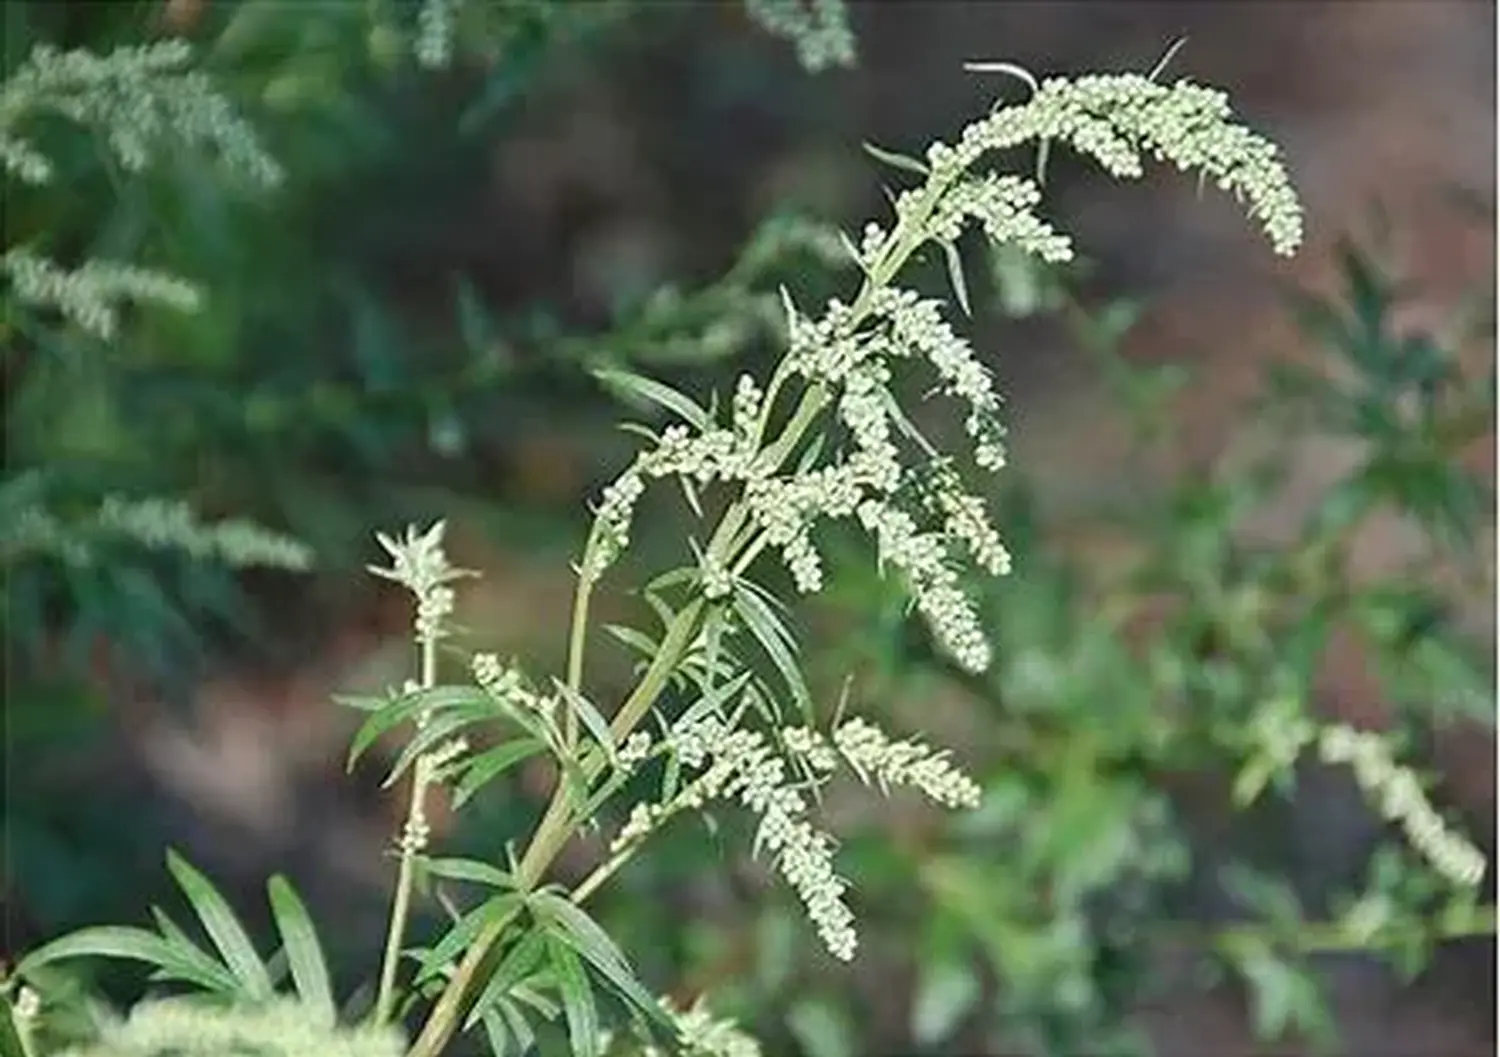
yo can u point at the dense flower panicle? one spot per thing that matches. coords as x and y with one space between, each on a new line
742 765
934 585
747 406
1114 118
158 524
904 763
848 353
1400 799
140 98
1003 205
636 748
967 520
91 294
612 520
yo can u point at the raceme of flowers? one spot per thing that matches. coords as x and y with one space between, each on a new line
1399 798
846 357
158 524
747 766
90 295
138 98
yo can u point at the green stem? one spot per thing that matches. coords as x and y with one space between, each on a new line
401 902
551 834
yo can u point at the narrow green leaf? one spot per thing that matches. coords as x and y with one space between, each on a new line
438 730
634 385
597 725
196 966
496 1033
956 276
406 708
577 998
713 701
365 702
681 575
491 764
520 960
10 1031
457 939
223 928
895 160
470 870
588 939
764 626
304 954
642 644
104 941
519 1026
690 493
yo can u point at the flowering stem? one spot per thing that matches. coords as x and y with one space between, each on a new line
555 827
401 902
552 833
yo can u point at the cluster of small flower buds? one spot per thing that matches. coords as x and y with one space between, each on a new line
181 1025
934 585
612 523
892 764
643 818
742 765
436 25
701 1034
1003 206
90 295
157 524
1399 797
509 685
636 748
746 410
718 581
419 563
1113 118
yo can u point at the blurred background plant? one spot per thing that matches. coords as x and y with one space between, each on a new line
377 342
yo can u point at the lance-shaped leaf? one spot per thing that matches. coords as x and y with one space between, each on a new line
774 640
223 928
633 385
304 954
491 764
